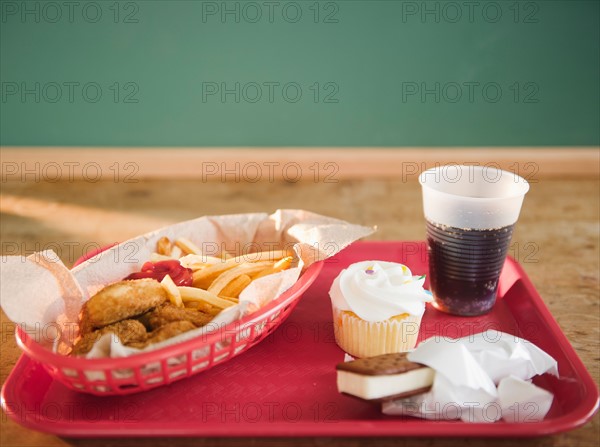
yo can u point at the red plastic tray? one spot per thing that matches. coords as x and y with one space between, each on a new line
286 386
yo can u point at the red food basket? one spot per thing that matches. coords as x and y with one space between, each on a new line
141 372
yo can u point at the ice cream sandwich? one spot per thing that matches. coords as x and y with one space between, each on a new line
384 377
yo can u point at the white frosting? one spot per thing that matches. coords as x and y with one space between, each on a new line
378 290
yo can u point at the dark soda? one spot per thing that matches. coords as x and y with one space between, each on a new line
465 265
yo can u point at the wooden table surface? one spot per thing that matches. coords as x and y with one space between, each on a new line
556 240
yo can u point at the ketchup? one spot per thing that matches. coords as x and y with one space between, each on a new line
180 275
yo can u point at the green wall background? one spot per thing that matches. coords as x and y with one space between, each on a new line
72 77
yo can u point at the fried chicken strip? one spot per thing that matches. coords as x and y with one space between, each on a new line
167 313
128 331
165 332
120 301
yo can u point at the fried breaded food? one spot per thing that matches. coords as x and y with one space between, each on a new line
167 313
203 306
120 301
164 332
128 331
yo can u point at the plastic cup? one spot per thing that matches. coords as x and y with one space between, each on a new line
470 212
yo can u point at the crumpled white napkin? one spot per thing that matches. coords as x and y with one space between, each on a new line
480 378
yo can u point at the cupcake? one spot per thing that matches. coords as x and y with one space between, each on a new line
377 308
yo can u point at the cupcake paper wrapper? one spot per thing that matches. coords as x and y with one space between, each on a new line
361 338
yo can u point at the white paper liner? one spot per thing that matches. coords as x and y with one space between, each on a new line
39 291
480 378
361 338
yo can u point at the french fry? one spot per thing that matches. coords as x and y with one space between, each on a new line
198 262
235 287
187 246
203 278
230 298
229 275
172 291
164 246
225 256
176 252
197 266
282 264
156 257
271 255
195 294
